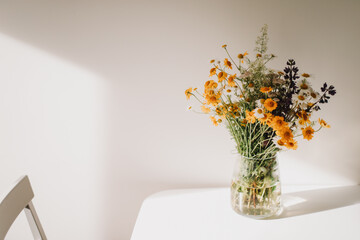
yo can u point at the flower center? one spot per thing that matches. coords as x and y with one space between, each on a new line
301 97
304 86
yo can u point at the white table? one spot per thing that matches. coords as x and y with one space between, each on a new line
311 212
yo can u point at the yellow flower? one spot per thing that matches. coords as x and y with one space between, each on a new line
323 123
241 56
234 110
270 104
221 111
265 89
285 133
280 142
205 109
308 133
188 93
212 60
214 120
212 97
278 123
250 116
243 122
211 84
222 76
305 75
224 46
266 119
231 81
227 63
304 117
212 72
309 104
291 144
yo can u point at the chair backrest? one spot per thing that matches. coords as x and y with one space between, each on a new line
19 198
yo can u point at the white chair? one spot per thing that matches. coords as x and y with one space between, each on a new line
17 199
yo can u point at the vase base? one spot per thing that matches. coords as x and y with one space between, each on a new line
259 213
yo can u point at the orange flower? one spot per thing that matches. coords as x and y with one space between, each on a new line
258 55
188 93
304 117
278 123
305 75
270 104
224 46
286 134
205 109
250 116
212 60
241 56
212 99
266 119
212 72
227 63
221 111
214 120
323 123
265 89
280 142
243 122
308 133
291 144
211 95
222 76
231 81
209 85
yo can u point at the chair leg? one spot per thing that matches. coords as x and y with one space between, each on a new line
34 222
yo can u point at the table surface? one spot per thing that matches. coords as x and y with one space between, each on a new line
311 212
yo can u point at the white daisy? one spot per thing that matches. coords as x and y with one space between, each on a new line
300 99
260 103
304 85
259 113
314 95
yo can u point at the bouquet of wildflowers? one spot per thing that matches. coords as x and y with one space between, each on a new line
265 110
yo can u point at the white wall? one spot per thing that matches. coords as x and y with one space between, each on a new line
93 109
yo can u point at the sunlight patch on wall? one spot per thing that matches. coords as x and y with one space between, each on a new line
52 128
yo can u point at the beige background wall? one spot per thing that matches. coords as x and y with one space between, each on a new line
92 103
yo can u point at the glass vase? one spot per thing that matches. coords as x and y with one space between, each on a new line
255 187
